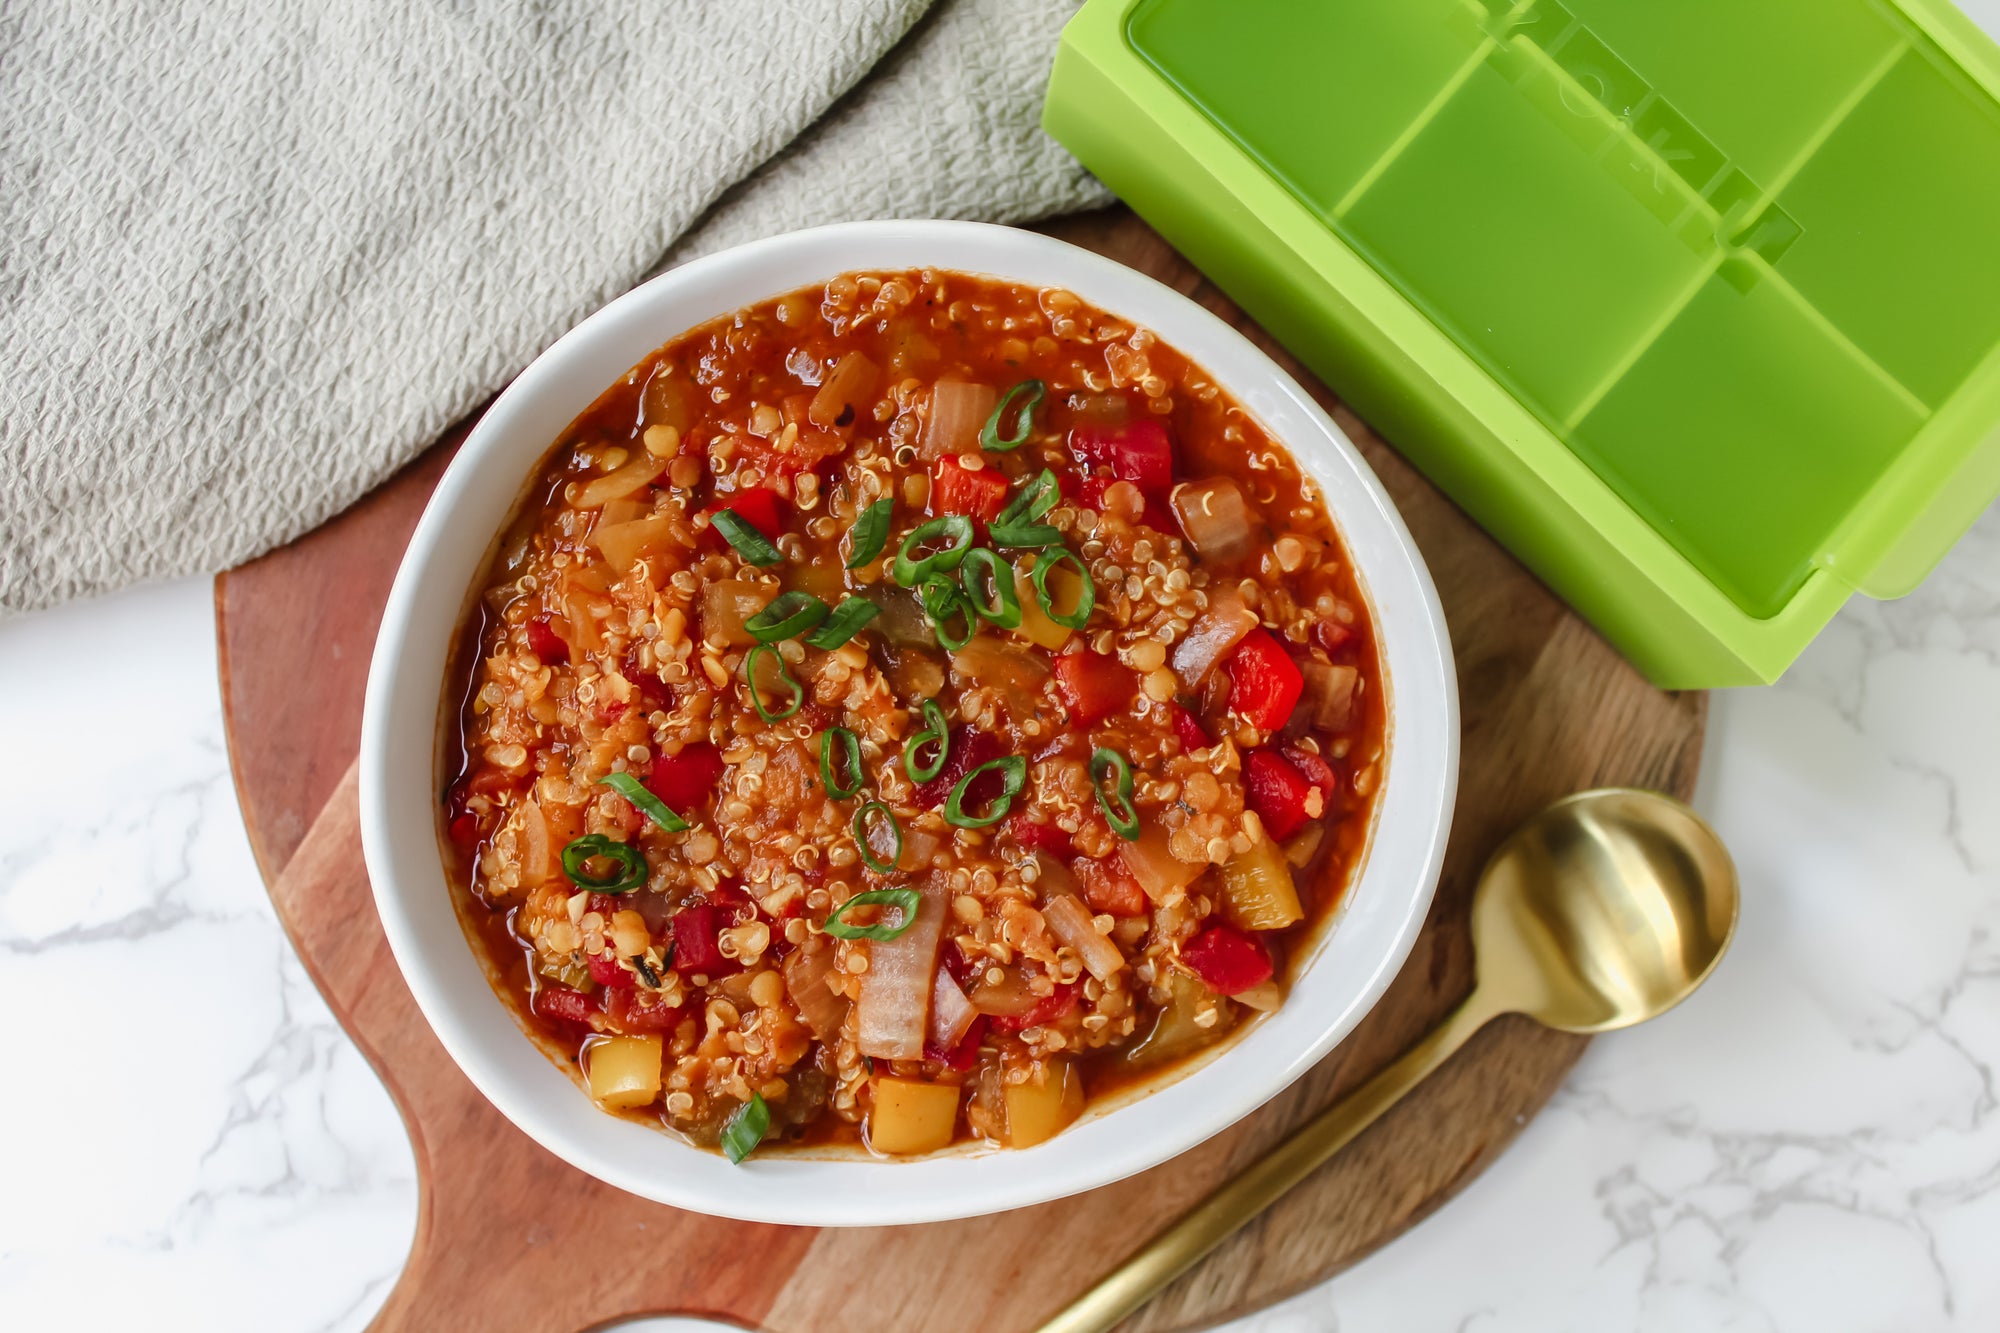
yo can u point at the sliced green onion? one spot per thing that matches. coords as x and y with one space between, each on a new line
789 615
980 565
648 804
1086 600
745 1129
750 683
910 571
631 864
906 900
741 533
1029 394
869 534
1124 816
1014 776
1019 524
845 622
840 738
934 730
860 830
944 602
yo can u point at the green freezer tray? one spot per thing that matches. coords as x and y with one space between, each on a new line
1694 303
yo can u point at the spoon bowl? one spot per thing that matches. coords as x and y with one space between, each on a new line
1606 909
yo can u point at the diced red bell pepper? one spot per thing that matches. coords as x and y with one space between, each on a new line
632 1016
697 939
560 1002
1090 494
546 643
606 971
1331 634
1045 1010
686 779
961 1056
1136 451
1318 772
957 489
1277 791
1227 961
1264 681
1193 736
1107 888
654 694
1040 837
969 749
1093 685
464 829
759 506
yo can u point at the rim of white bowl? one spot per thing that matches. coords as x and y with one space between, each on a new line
1351 964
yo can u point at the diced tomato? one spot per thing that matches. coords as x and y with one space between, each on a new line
1093 685
1045 1010
1040 837
546 643
1227 961
961 1056
1318 772
969 749
962 969
686 779
1187 726
1277 791
631 1015
697 942
655 695
1090 494
1264 681
464 828
1331 634
959 490
759 506
1137 451
1107 888
560 1002
606 971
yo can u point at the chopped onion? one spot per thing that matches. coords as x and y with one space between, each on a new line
896 988
1009 997
1328 699
621 482
1070 922
951 1012
534 844
845 393
726 604
805 980
625 544
958 410
1053 878
1157 869
919 846
1214 517
1263 996
1018 676
1213 637
1301 849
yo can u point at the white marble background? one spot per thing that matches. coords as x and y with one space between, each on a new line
1810 1145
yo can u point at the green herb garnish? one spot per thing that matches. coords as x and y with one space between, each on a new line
869 533
981 565
934 730
645 970
1019 524
944 603
1014 776
591 846
741 533
1028 393
647 804
789 615
784 676
845 622
908 900
860 829
849 746
1123 816
909 570
1085 600
745 1129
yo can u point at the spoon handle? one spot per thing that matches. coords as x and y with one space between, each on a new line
1217 1217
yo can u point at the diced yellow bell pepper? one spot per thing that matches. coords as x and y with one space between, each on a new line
1257 890
1038 1111
625 1071
1064 587
912 1117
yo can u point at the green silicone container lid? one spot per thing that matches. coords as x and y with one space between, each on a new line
1740 259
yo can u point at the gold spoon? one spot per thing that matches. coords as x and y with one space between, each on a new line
1606 909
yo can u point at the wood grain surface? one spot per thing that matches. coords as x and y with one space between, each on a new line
508 1238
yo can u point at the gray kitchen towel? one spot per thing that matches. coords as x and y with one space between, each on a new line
256 254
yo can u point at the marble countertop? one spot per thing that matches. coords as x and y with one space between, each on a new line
1811 1143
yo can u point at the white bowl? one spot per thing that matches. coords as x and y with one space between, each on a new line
1349 967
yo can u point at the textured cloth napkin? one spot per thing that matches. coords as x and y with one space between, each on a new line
255 255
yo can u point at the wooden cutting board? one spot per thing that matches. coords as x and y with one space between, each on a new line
509 1238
